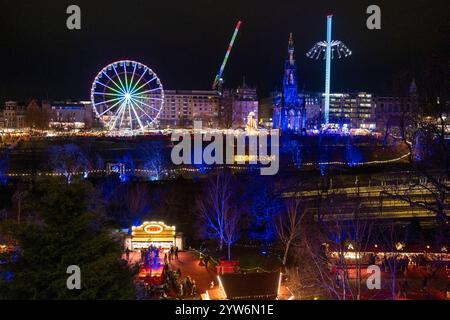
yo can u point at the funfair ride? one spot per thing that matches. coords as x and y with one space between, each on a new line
127 97
328 49
218 80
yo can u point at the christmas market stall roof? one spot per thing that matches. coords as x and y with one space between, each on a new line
398 248
258 285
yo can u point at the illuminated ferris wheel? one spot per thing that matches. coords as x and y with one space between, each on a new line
127 97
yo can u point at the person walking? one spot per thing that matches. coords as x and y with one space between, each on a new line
447 291
127 253
403 288
425 284
433 270
338 279
176 253
180 288
188 285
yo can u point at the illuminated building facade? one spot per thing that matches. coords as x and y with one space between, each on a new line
155 233
245 101
313 110
236 105
14 115
182 107
71 114
389 110
289 108
355 110
365 111
43 114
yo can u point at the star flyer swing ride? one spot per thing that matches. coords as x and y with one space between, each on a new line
328 49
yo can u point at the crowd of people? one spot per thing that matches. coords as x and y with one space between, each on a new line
150 255
172 285
171 255
183 287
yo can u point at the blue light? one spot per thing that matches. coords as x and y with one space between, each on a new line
123 177
329 47
328 69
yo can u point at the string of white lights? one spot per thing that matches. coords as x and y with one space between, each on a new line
196 169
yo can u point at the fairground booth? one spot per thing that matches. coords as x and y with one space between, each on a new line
426 253
249 286
155 233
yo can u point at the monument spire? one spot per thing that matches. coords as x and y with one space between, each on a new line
291 49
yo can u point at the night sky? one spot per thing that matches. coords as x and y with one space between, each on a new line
184 42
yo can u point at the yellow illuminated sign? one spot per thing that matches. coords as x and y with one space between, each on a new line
153 228
153 231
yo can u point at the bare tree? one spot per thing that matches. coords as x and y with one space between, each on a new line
231 228
321 267
93 160
155 159
68 160
37 116
391 236
137 200
427 141
340 250
18 198
216 211
338 246
4 161
288 225
429 157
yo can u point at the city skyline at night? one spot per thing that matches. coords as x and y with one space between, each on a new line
188 57
212 159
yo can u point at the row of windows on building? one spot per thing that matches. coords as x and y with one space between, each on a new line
354 109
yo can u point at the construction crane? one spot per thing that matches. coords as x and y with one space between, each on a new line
217 84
